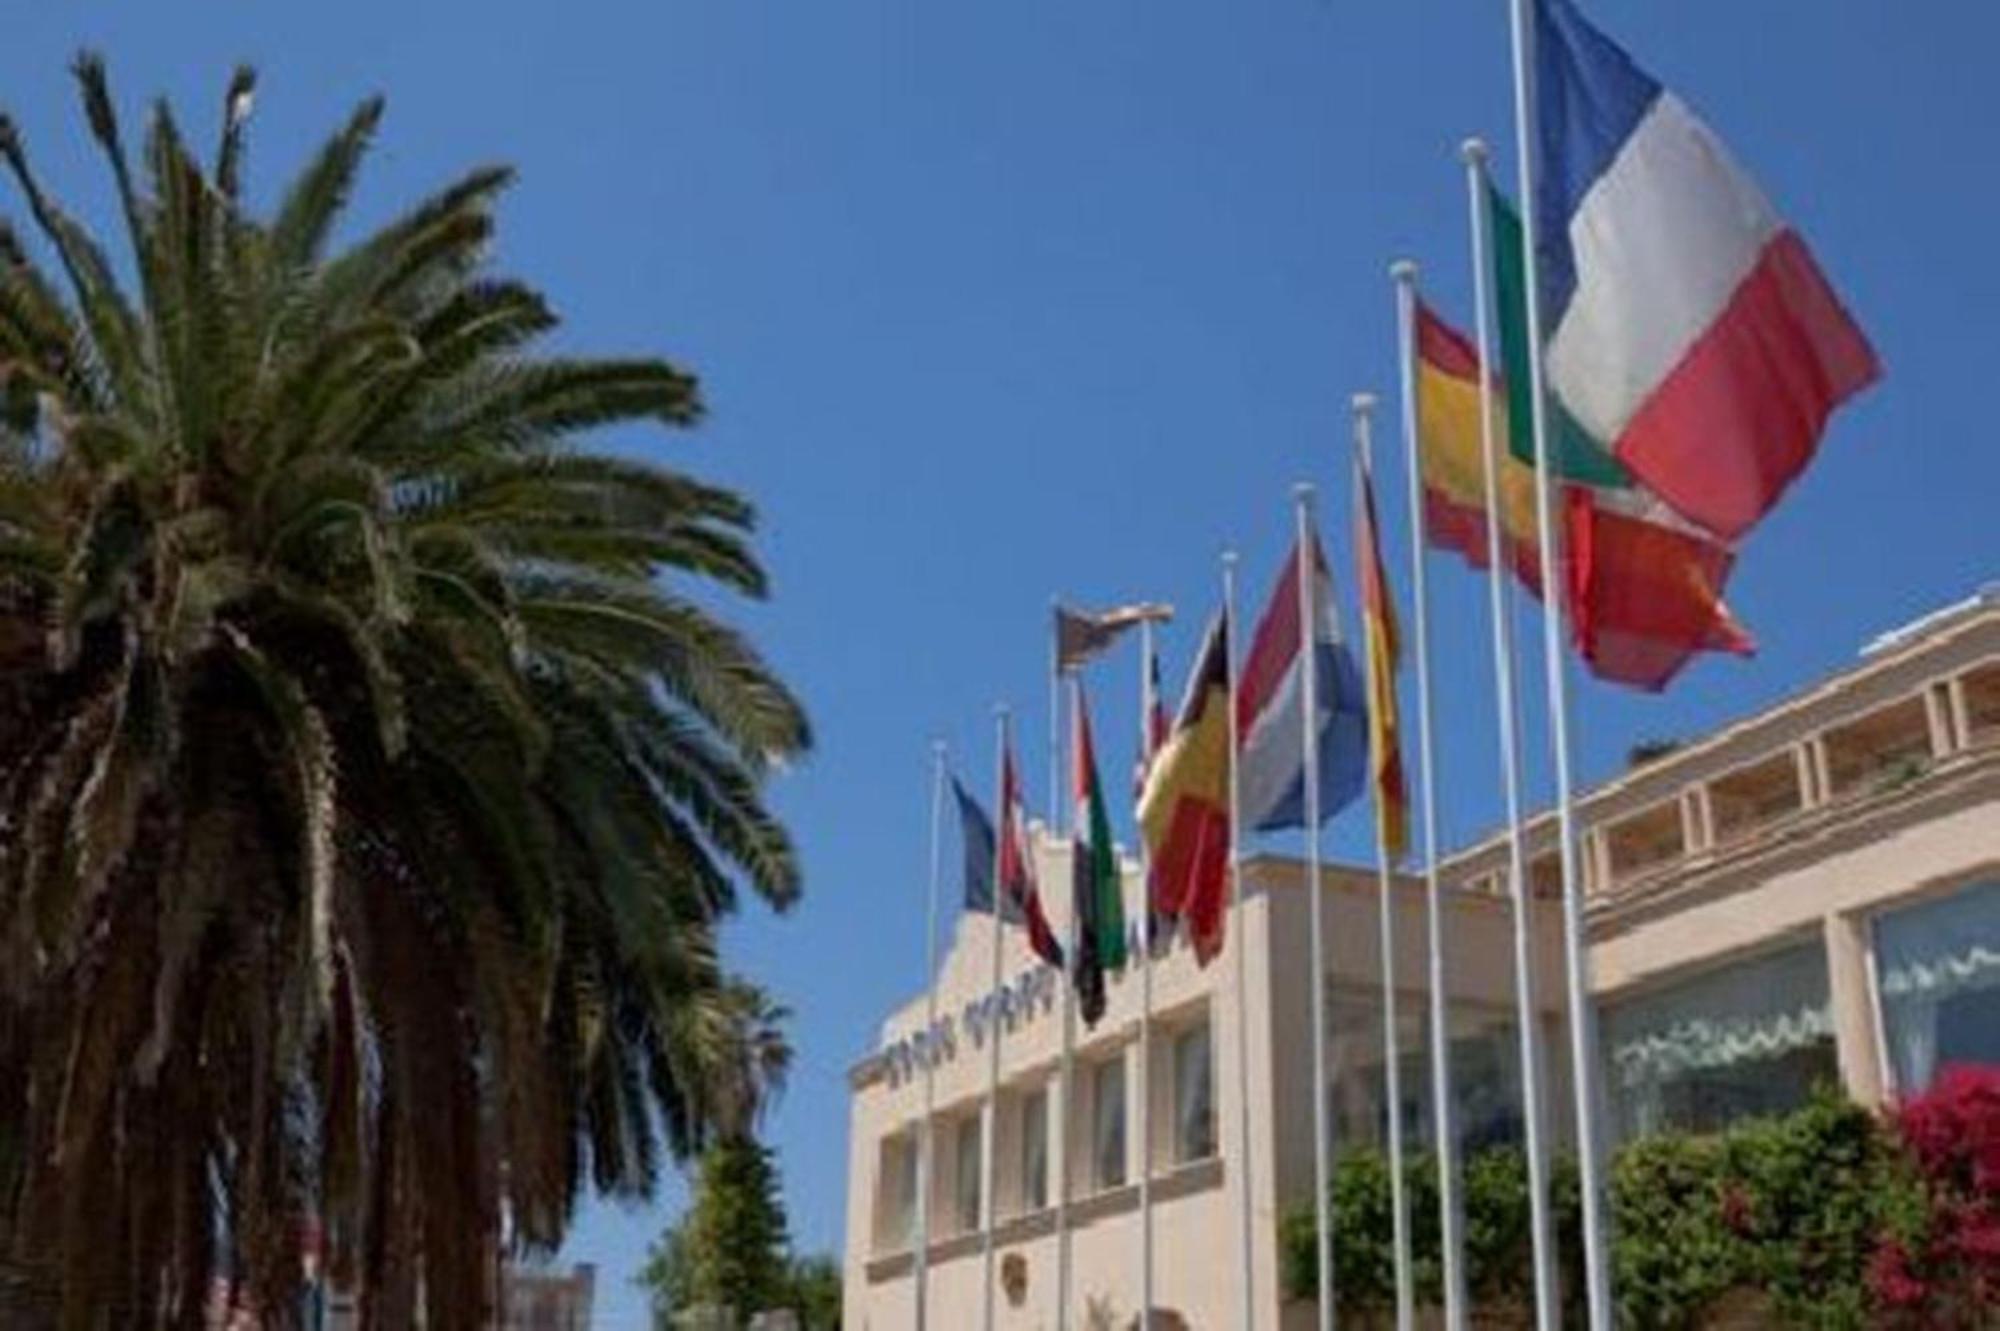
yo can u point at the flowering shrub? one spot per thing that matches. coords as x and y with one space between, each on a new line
1940 1267
1822 1218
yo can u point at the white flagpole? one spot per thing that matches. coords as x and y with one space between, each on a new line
1302 496
990 1125
924 1132
1055 723
1244 1193
1063 1135
1527 1009
1582 1012
1445 1103
1145 1002
1392 1072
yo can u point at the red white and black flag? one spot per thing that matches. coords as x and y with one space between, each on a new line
1017 865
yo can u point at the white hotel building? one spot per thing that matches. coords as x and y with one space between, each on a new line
1809 895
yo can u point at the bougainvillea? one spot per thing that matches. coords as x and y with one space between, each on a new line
1941 1268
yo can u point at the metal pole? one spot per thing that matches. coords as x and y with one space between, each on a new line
1392 1071
1527 1008
1244 1192
1055 724
924 1131
1145 1005
1445 1104
1308 578
1582 1013
995 1024
1064 1274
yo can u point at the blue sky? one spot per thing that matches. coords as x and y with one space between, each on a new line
995 302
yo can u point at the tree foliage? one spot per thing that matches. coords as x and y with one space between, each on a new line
1791 1212
374 765
816 1292
732 1249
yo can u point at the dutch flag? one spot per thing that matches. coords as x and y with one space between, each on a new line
1270 702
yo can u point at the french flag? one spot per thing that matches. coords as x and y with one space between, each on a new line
1689 328
1270 709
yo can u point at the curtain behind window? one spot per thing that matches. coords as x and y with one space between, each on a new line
1108 1127
1746 1038
1937 968
1194 1096
1035 1150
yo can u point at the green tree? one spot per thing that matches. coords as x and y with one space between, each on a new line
375 768
732 1248
816 1291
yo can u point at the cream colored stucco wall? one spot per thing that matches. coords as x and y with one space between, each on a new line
1822 873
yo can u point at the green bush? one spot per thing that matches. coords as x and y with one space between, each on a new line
1791 1207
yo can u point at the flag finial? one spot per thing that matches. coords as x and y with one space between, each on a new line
1364 403
1403 270
1472 151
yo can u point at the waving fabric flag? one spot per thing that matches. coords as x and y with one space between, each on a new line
1184 812
1645 585
1449 453
1689 329
1017 865
976 830
1154 727
1270 708
1378 625
1019 902
1082 634
1099 902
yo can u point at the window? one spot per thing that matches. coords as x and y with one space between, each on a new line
1755 1037
1194 1096
1035 1150
1107 1128
967 1158
1937 967
896 1193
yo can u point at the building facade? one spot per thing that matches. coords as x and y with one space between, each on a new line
1808 896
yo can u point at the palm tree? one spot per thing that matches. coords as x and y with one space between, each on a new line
374 767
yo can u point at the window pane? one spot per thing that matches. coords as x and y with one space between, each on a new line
1938 966
1108 1135
968 1175
1194 1096
1751 1038
1035 1150
897 1212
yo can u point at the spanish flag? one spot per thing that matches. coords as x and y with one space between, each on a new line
1644 584
1184 810
1454 473
1378 624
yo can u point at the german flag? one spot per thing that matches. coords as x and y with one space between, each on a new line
1184 810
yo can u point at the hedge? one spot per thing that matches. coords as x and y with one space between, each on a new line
1829 1217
